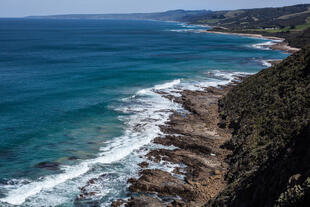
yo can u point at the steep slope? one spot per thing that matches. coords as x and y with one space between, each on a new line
269 114
297 39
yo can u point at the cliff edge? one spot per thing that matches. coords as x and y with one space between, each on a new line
269 114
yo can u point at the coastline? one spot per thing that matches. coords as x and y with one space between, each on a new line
189 146
279 43
197 157
153 111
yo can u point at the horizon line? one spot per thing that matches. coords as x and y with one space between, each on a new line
123 13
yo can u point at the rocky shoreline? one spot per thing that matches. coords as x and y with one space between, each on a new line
202 142
233 146
198 140
198 137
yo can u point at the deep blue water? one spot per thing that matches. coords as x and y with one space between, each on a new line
72 93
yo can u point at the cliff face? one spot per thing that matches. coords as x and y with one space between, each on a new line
269 114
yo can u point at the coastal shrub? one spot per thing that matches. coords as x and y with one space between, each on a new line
270 116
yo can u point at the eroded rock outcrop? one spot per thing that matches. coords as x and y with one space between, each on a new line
198 140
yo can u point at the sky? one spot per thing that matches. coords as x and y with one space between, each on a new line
21 8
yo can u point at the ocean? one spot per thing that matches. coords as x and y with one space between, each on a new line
78 99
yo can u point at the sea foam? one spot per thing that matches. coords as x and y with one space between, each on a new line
143 112
149 111
266 45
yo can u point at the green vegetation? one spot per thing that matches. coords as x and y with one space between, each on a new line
276 30
269 114
208 21
286 22
301 27
257 18
232 14
294 14
296 28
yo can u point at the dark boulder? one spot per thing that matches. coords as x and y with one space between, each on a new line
48 165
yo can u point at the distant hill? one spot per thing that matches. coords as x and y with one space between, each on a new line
290 22
173 15
264 18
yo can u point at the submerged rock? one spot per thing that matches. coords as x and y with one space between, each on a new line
73 158
48 165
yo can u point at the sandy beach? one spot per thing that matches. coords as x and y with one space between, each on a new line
279 43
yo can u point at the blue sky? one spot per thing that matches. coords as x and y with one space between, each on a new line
20 8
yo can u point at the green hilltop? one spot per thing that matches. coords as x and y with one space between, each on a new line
290 22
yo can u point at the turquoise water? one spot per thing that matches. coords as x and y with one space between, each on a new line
79 93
